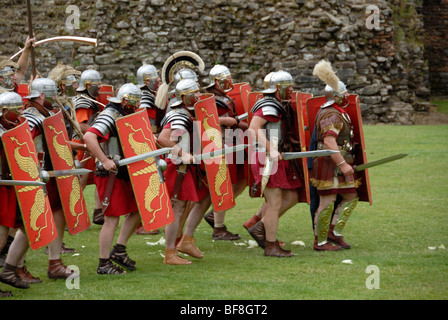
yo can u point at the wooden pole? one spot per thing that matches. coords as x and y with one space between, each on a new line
31 35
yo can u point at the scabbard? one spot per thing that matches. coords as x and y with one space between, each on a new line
181 172
108 191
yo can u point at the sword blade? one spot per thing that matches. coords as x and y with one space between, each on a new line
220 152
70 172
21 183
308 154
379 162
242 116
143 156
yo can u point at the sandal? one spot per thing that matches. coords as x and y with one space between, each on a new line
120 256
109 268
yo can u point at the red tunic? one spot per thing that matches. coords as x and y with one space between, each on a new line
283 175
194 186
8 211
122 199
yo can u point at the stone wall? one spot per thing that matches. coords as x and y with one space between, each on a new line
385 65
435 14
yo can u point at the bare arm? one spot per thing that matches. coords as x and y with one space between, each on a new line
24 59
330 143
256 126
167 140
94 148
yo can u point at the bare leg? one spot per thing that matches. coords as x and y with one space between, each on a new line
128 227
54 248
171 230
107 235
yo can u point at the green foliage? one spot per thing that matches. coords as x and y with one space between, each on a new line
403 233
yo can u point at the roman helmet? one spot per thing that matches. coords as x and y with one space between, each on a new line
188 88
222 74
183 74
131 93
282 82
43 85
148 73
65 75
11 101
335 89
267 80
175 62
93 78
7 70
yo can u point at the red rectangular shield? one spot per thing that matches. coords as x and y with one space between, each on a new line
239 95
153 200
254 189
354 111
33 202
218 175
106 91
296 103
70 192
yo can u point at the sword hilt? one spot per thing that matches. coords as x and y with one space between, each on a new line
115 159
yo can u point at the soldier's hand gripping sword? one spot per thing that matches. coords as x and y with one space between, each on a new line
160 164
141 157
267 170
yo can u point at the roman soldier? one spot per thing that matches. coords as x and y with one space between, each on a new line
11 73
14 272
149 81
87 109
170 75
220 83
333 175
182 74
273 128
185 180
66 79
40 105
113 184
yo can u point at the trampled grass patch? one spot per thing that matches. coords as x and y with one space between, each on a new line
403 234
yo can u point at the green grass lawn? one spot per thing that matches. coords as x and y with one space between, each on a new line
442 105
403 234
